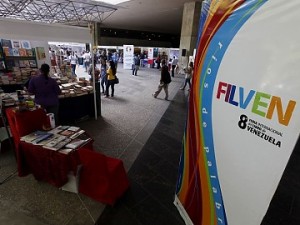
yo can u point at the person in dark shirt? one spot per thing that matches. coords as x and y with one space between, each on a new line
46 91
136 64
165 79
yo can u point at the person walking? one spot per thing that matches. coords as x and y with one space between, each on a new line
111 76
136 65
46 91
87 60
165 79
73 63
103 75
96 73
188 75
174 65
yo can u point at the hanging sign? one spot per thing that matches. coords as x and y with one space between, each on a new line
243 122
128 51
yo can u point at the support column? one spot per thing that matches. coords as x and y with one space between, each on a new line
189 31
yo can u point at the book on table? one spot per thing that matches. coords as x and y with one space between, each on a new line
65 150
45 141
65 130
58 129
78 141
36 137
57 142
67 133
77 134
75 129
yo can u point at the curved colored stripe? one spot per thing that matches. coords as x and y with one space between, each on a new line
198 187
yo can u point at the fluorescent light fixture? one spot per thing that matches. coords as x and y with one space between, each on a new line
113 2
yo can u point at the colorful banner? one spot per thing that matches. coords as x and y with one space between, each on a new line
128 51
150 53
242 123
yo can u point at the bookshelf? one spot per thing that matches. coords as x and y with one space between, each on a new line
16 64
2 60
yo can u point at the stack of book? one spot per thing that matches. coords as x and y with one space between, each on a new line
37 137
57 142
61 138
69 137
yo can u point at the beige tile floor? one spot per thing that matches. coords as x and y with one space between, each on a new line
126 122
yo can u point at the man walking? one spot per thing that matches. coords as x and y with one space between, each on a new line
165 79
174 65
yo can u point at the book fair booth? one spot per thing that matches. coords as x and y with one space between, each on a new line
58 154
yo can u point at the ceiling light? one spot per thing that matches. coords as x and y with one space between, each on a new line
113 2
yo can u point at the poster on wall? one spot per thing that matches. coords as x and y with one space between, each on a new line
40 51
174 52
6 43
150 53
128 51
16 43
243 122
25 44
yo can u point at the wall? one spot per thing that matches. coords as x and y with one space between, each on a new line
24 30
189 29
110 41
39 34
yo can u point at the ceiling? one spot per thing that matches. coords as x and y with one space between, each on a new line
163 16
159 16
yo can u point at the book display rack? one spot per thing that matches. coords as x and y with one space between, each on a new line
17 62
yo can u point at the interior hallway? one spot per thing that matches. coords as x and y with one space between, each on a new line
122 131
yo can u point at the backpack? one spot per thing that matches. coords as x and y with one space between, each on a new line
168 77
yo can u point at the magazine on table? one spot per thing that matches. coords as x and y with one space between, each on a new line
67 133
57 142
36 137
73 128
65 150
45 141
65 130
78 133
59 145
58 129
78 141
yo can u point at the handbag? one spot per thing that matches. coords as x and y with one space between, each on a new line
116 80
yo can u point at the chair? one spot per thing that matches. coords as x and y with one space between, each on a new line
4 135
25 122
21 124
102 178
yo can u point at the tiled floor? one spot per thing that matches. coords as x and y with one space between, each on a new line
122 131
153 175
146 134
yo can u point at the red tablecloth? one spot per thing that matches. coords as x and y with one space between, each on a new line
21 124
101 178
46 165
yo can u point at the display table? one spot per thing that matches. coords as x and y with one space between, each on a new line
75 108
47 165
101 178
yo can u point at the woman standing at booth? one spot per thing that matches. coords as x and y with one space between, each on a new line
46 91
111 76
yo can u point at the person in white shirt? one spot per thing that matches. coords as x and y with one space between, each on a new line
174 65
188 75
87 60
73 63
